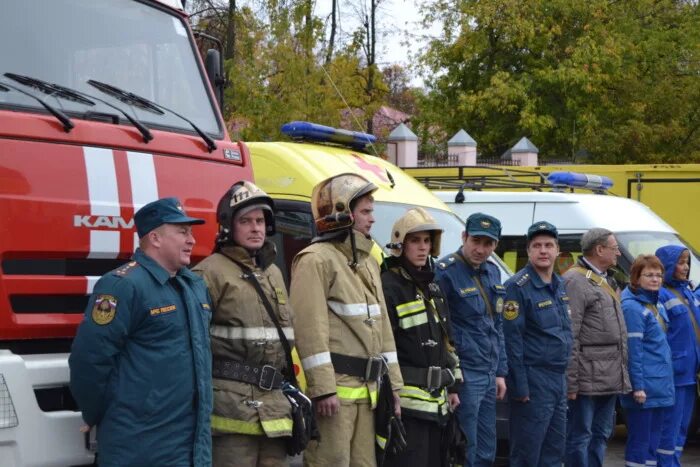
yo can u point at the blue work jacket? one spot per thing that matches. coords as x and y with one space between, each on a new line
140 366
475 299
683 315
649 356
537 327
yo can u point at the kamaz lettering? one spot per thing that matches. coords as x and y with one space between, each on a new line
110 222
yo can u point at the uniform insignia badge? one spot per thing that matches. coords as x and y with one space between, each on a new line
542 226
161 310
486 224
511 310
281 296
499 305
206 306
104 309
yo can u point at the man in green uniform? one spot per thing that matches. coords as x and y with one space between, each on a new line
140 363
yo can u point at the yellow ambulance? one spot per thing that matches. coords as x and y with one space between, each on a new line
289 170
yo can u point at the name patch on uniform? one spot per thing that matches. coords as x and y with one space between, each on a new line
499 305
104 309
511 310
206 306
565 298
162 310
544 304
281 296
467 290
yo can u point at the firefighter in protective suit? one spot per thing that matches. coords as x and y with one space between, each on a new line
251 415
420 321
343 332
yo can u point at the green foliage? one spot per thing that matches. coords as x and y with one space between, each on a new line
619 79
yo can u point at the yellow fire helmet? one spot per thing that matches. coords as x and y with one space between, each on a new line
331 199
415 220
241 198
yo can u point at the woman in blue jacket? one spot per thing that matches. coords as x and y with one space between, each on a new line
649 360
683 313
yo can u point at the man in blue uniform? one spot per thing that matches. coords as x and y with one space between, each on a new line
141 363
472 287
537 330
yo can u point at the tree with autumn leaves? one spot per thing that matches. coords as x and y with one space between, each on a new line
617 81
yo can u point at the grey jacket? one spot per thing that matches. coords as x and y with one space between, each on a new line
598 364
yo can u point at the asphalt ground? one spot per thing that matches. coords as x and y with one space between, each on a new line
615 456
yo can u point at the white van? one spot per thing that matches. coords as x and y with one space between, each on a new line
637 228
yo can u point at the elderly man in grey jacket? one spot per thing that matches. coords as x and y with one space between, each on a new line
597 371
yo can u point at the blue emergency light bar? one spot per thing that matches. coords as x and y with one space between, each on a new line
579 180
324 134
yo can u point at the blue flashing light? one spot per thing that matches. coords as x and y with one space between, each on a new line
579 180
325 134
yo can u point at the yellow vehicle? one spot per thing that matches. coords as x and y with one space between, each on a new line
288 171
670 190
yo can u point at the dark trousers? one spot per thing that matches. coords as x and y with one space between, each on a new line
538 427
425 448
589 425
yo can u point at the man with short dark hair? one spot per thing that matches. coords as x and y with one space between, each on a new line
537 332
344 335
472 287
140 363
597 372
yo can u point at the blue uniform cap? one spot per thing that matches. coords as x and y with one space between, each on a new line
159 212
483 225
542 227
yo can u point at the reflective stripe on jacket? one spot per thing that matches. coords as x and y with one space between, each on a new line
340 310
420 321
242 331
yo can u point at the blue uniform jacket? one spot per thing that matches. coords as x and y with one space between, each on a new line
537 327
140 366
477 329
681 311
649 356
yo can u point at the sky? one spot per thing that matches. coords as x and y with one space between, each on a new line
399 21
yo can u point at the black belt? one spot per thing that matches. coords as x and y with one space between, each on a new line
432 377
369 369
265 377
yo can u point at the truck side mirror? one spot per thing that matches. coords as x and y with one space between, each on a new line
215 73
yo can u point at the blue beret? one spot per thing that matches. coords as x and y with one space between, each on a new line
159 212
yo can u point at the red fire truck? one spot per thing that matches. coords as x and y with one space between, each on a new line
105 105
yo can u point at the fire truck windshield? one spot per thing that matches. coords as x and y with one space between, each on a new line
132 45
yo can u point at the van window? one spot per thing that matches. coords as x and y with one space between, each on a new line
295 229
514 253
637 243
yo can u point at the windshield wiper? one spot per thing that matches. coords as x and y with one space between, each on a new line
141 102
50 89
56 90
60 116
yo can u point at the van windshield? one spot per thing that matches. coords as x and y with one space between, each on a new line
385 214
637 243
632 244
131 45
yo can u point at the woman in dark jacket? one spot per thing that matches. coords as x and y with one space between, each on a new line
683 313
649 360
420 323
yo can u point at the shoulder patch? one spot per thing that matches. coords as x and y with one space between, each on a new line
447 262
511 310
104 309
126 268
523 280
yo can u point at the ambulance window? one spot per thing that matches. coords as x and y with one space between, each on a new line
513 250
294 225
634 244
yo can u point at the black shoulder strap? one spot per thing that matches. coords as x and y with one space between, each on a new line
250 276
